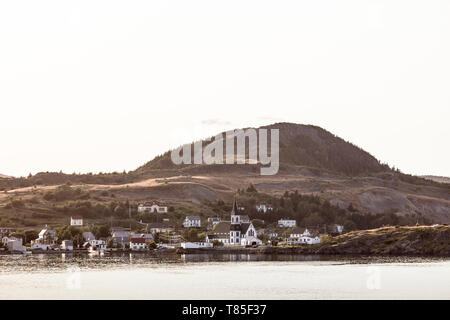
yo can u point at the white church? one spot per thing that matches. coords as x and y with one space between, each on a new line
235 232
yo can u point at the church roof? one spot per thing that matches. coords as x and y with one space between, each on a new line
225 227
222 227
244 227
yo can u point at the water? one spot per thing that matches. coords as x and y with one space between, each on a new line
143 276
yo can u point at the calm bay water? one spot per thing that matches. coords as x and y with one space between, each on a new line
142 276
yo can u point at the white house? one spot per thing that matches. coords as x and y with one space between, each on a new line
97 245
76 221
5 240
138 244
264 208
304 236
152 207
338 228
16 246
309 240
287 223
192 222
46 240
158 227
67 245
235 232
298 232
196 245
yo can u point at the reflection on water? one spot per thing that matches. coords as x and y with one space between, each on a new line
59 262
221 276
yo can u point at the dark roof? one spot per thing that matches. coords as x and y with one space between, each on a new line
244 227
160 225
235 209
298 230
76 217
218 236
225 227
137 240
222 227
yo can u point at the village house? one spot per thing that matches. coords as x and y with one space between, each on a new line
235 232
6 231
309 240
304 236
97 245
158 227
286 223
67 245
76 221
5 239
138 244
148 238
15 245
152 207
297 232
121 237
264 208
46 240
192 222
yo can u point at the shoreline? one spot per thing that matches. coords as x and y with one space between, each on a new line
306 251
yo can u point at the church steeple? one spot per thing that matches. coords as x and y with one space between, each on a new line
235 210
235 217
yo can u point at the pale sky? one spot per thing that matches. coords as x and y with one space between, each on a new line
89 86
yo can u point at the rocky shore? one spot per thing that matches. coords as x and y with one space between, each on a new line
413 241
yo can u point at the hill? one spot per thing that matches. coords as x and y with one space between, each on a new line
313 162
300 146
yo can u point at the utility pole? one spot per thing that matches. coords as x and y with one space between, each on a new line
129 212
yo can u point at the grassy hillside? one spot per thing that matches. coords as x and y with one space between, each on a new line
313 162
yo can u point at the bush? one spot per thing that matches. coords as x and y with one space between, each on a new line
217 243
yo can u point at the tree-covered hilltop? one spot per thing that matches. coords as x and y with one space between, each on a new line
310 211
303 145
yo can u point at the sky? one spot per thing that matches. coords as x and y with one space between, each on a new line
101 86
